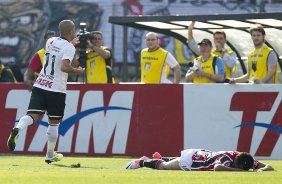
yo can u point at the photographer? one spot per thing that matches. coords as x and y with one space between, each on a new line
99 60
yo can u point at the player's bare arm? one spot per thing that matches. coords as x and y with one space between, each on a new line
66 67
75 62
29 78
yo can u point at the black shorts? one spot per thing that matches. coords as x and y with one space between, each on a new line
52 102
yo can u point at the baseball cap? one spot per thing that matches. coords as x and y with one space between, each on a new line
206 42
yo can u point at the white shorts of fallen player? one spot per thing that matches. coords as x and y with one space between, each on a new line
185 160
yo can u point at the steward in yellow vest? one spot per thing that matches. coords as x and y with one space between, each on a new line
99 60
152 64
258 64
262 61
155 62
207 68
228 57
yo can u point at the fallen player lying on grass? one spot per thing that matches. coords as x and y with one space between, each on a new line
202 160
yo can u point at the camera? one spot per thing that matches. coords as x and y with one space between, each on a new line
82 46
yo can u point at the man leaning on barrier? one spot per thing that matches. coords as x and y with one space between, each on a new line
262 61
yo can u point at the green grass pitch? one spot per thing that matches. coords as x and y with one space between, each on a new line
32 169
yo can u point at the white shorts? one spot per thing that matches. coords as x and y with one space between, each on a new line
185 160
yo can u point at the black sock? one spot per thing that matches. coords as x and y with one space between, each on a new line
151 163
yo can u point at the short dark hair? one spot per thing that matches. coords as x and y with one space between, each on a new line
49 33
244 161
92 33
257 27
219 32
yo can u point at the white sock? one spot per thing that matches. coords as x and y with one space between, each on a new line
24 122
52 136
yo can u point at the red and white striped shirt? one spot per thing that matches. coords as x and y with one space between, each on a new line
205 160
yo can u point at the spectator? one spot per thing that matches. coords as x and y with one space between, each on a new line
154 61
99 60
207 68
262 61
36 62
6 74
228 56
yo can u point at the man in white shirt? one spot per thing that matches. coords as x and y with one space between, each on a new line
49 90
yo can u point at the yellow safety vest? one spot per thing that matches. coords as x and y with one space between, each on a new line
152 65
41 54
208 67
96 68
261 64
228 71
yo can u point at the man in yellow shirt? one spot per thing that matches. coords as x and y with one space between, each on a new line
99 60
228 56
207 68
262 61
155 60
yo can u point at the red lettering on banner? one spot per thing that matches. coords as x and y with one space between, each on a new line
250 103
271 137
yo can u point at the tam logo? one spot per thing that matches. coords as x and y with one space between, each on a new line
250 103
94 119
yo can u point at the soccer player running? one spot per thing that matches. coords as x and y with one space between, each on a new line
202 160
36 62
49 90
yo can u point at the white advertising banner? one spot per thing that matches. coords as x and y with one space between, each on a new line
234 117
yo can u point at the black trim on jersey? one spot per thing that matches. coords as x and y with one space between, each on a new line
63 38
